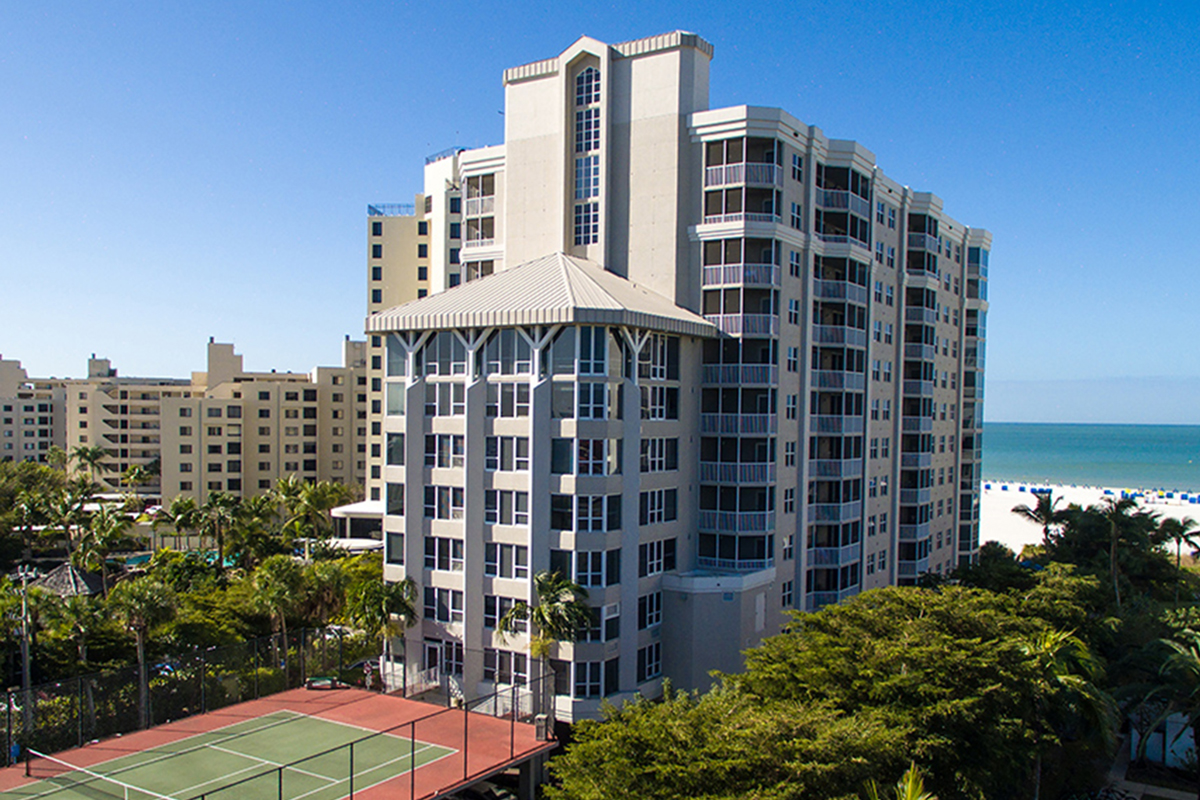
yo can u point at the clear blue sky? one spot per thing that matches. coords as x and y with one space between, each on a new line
170 172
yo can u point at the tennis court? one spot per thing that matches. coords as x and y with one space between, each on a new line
297 745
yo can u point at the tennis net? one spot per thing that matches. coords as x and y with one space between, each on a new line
74 780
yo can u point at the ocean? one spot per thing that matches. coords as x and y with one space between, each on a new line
1118 456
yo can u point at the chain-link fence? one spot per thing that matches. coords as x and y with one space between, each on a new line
52 717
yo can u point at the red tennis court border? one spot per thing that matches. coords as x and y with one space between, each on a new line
483 744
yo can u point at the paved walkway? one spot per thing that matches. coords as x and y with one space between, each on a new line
1116 777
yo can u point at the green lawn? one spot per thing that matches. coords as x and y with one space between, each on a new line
242 762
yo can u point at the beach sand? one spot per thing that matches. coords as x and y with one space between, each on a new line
998 523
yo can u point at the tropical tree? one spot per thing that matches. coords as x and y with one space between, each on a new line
325 585
1181 532
57 457
558 615
1044 513
104 531
255 534
66 509
1116 514
382 609
140 605
90 457
29 511
133 477
1063 676
911 786
307 505
183 515
77 617
278 583
1176 689
218 514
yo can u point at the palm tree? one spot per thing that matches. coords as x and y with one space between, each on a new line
134 477
90 457
142 604
383 610
1043 513
1062 678
1181 532
103 533
558 615
254 535
1116 513
183 515
57 457
911 786
217 515
1177 690
324 590
308 505
278 582
66 508
30 510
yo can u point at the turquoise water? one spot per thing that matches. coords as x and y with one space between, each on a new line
1120 456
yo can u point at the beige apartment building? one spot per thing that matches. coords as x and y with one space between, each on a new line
31 414
710 363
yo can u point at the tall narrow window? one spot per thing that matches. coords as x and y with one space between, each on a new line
587 161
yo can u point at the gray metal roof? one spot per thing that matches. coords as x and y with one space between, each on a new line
553 290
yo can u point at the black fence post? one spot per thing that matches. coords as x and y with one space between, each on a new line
79 707
412 760
512 724
466 736
303 660
203 682
352 771
8 744
256 668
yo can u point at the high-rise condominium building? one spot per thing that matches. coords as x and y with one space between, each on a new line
31 414
709 363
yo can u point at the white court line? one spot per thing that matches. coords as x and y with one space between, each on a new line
276 764
373 769
190 790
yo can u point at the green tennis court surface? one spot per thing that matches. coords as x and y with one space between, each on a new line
284 755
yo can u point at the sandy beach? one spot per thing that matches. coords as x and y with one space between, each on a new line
998 523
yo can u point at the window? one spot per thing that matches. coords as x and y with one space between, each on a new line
789 547
787 594
501 666
587 223
888 330
891 218
797 167
789 500
594 400
507 399
505 507
506 453
422 251
444 450
587 130
377 229
791 404
591 512
649 610
793 359
441 399
660 402
891 257
880 210
214 431
797 219
591 567
444 502
891 295
443 605
878 291
495 608
878 331
875 409
656 557
443 554
587 177
789 454
793 311
658 505
887 409
649 662
587 87
659 455
422 273
506 561
376 251
455 230
185 449
794 264
879 252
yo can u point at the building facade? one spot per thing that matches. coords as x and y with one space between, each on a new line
31 414
710 363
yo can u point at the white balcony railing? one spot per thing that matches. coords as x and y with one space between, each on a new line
756 274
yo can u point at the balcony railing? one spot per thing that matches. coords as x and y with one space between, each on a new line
741 373
481 206
391 210
744 274
917 424
923 241
923 352
739 423
722 472
911 569
840 290
754 324
840 200
839 334
916 460
737 521
915 497
834 556
825 423
815 601
834 512
835 468
914 533
741 216
472 244
735 564
749 173
918 388
920 314
826 379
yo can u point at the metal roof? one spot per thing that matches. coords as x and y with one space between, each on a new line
553 290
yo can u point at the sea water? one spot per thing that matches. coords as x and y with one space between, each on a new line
1118 456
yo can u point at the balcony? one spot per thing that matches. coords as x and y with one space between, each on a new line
738 374
741 274
843 201
834 556
757 174
911 569
923 241
915 497
474 244
914 533
723 472
391 210
839 334
815 601
481 206
917 425
840 290
739 423
735 564
916 460
749 324
827 379
920 314
835 468
834 512
922 352
742 216
822 423
918 388
737 521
